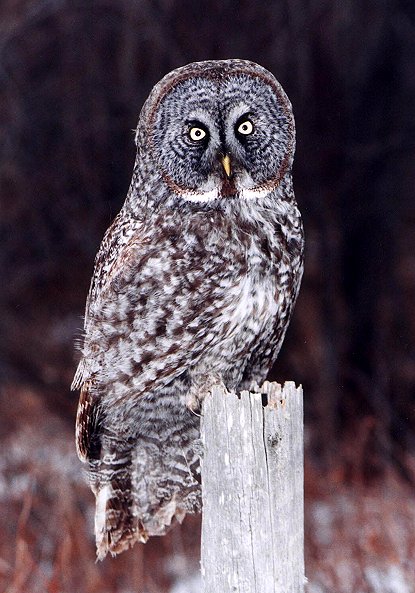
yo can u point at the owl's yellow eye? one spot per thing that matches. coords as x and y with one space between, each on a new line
197 134
245 128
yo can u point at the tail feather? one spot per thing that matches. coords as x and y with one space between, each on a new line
146 495
146 473
116 528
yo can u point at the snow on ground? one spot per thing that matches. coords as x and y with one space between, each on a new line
360 538
191 584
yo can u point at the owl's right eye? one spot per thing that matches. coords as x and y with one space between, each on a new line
197 133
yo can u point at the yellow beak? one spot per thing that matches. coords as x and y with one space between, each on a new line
226 162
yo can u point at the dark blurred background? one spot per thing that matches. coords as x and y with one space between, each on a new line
73 77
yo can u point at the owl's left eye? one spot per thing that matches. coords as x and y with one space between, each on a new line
245 127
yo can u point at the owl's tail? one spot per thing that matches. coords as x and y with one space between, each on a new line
143 489
115 526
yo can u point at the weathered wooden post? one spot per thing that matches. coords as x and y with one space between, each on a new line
252 488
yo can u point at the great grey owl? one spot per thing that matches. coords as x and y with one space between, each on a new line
194 284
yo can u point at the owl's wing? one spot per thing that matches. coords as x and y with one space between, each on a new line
106 263
106 266
119 239
150 315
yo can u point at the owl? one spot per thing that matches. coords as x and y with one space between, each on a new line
194 285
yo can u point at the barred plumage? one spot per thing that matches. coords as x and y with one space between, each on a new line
195 281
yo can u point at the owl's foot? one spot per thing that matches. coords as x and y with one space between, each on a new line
254 387
202 386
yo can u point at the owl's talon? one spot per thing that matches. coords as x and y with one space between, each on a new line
201 387
193 402
254 387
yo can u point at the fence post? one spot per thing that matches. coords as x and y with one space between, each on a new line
252 488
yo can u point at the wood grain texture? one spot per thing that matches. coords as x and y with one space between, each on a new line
252 488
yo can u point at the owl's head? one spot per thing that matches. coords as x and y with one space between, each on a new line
218 129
